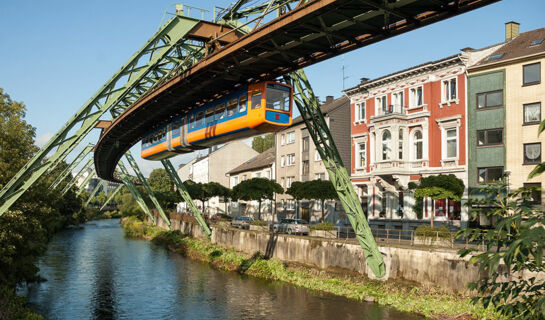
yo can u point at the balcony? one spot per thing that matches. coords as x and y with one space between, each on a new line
390 111
398 166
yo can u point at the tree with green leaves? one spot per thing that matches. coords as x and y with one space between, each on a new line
514 249
257 189
320 190
262 143
437 187
163 188
196 191
298 192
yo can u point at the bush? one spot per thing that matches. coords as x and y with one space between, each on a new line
425 231
259 223
323 226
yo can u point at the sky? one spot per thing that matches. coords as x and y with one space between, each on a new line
54 55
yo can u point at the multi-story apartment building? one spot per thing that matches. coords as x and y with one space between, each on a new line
260 166
408 125
213 167
298 160
506 94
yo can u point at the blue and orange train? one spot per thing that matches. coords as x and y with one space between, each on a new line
254 109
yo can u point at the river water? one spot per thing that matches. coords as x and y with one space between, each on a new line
97 273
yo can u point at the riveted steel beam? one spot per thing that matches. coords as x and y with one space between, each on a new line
84 169
128 182
112 195
101 184
72 166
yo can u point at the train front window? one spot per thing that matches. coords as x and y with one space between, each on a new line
256 99
242 103
231 107
278 97
220 111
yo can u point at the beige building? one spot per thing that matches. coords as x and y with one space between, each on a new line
260 166
298 160
508 92
213 167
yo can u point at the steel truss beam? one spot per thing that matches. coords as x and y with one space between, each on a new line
309 107
156 58
79 158
93 194
185 195
112 195
144 182
85 182
128 182
75 179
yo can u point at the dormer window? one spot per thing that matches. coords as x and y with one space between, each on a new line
495 57
536 42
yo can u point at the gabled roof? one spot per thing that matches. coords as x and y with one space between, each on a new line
262 160
517 47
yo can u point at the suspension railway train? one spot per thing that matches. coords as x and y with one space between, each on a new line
254 109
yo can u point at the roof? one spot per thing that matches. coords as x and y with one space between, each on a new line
326 108
517 47
262 160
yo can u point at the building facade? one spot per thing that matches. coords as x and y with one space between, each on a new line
298 160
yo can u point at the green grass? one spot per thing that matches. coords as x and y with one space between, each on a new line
432 303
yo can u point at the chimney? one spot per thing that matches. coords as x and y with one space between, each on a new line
328 99
364 80
511 30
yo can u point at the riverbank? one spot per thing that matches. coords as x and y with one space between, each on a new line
431 303
14 307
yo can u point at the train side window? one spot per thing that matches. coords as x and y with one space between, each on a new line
199 119
220 111
256 99
192 121
209 115
242 103
231 107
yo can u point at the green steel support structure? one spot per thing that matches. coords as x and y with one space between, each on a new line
185 195
93 194
163 52
309 107
79 158
112 195
69 185
85 183
129 183
144 182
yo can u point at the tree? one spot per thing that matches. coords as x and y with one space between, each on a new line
196 191
257 189
513 248
437 188
298 192
262 143
320 190
163 188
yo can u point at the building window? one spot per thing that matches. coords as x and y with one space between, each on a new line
531 74
318 205
283 140
305 144
291 159
532 113
490 174
400 145
418 145
289 181
235 181
490 99
283 204
268 174
532 153
381 105
360 111
257 175
291 204
386 139
449 91
319 176
398 101
243 177
416 98
282 182
535 189
451 143
490 137
291 137
305 167
317 156
361 154
282 161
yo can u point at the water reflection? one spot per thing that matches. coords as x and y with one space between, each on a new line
95 273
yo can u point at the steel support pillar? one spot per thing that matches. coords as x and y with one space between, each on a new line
111 196
93 194
79 158
85 183
185 195
309 107
75 179
144 182
128 182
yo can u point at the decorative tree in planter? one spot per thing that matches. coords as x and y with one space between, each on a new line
257 189
320 190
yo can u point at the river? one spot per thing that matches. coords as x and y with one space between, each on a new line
96 273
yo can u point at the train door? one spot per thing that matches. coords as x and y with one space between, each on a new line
169 137
182 132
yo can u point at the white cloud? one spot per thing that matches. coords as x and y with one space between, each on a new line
42 139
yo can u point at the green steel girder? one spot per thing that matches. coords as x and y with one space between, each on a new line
185 195
77 176
95 191
130 80
71 167
85 182
128 182
144 182
112 195
309 107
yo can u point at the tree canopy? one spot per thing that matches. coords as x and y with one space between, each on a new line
262 143
163 188
257 189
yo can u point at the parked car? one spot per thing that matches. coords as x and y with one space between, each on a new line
292 226
241 222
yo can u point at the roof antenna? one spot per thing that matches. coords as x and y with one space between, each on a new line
343 68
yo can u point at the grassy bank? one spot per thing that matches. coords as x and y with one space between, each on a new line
14 307
428 302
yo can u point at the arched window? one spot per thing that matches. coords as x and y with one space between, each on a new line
417 145
386 139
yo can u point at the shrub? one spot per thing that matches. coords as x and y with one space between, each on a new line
259 223
323 226
425 231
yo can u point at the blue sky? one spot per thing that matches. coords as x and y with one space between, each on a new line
54 55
